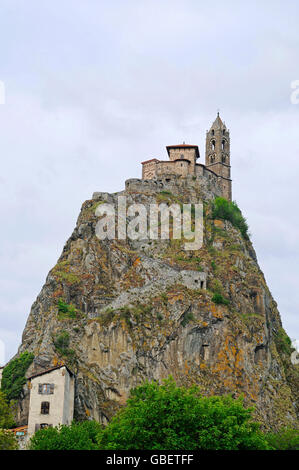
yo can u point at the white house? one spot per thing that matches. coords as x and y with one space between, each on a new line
51 398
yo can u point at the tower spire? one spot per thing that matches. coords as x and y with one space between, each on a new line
218 154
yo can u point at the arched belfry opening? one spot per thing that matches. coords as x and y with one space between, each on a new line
218 154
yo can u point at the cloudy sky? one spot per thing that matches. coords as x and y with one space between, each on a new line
94 87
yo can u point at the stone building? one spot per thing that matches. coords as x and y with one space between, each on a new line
51 398
183 160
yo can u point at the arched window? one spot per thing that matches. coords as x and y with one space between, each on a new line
213 132
223 159
223 144
182 155
223 132
213 144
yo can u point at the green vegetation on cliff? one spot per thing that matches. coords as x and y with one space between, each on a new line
13 377
61 342
66 310
224 209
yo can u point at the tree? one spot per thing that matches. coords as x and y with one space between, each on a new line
7 438
13 377
6 416
284 439
167 417
78 436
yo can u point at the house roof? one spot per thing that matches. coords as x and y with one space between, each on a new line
49 370
20 429
151 160
183 146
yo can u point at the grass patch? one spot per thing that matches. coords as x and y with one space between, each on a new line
138 312
62 273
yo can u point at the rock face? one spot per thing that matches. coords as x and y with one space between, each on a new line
118 312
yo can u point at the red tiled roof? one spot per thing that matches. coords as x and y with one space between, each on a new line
19 429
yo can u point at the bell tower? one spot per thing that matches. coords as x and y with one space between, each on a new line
218 155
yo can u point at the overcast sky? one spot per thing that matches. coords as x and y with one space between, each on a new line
94 87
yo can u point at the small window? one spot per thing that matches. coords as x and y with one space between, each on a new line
223 144
213 144
46 389
223 132
182 155
45 408
213 132
44 425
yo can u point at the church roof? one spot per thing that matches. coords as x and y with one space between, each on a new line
151 160
218 123
183 146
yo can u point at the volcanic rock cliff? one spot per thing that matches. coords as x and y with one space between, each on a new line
118 312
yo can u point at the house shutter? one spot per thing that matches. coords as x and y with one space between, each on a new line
37 427
51 389
40 388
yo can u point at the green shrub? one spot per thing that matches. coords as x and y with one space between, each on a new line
78 436
13 377
8 440
219 299
187 318
66 310
283 342
227 210
285 439
61 343
167 417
